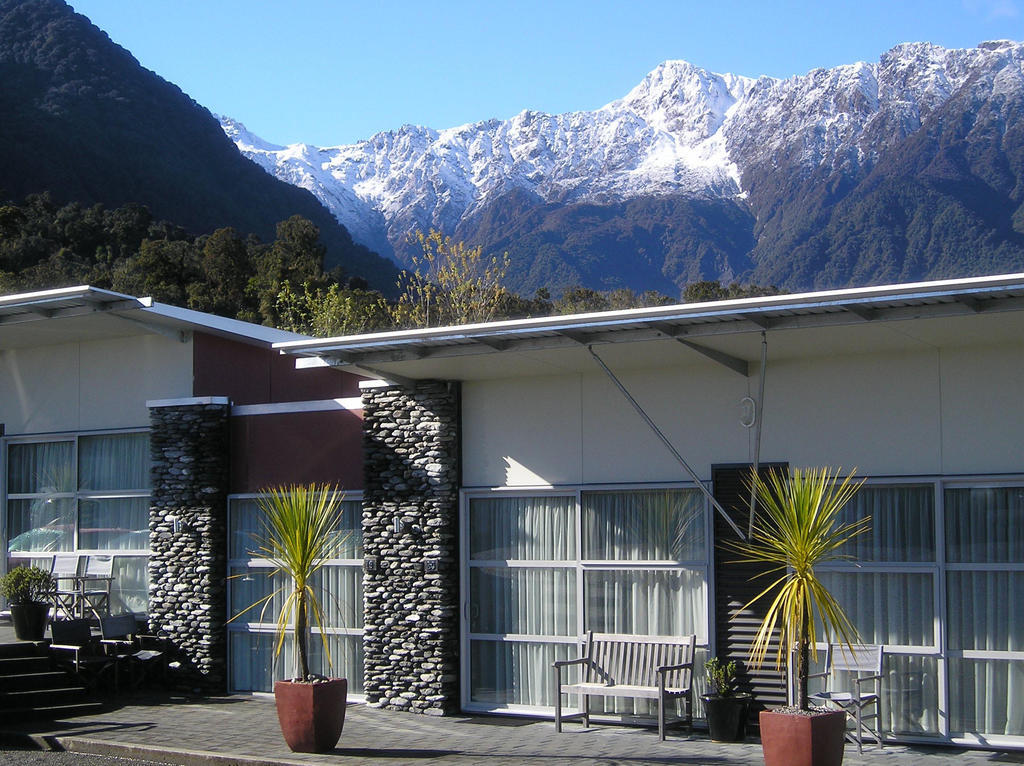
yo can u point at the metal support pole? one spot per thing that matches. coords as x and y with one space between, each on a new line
757 432
666 442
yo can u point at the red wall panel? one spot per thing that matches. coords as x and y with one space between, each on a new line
258 375
296 448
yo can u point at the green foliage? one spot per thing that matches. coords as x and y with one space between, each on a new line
331 312
705 291
299 534
450 284
797 529
721 676
23 585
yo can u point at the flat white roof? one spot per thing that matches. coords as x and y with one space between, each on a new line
858 306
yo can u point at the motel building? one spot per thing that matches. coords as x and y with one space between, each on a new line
510 486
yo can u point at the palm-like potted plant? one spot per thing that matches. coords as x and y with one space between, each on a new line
28 590
299 533
725 708
797 528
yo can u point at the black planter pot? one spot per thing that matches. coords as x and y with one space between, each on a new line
30 620
727 716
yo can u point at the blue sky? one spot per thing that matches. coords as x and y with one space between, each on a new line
334 71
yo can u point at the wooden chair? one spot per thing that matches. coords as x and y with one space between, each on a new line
64 571
76 649
141 653
96 580
651 667
864 664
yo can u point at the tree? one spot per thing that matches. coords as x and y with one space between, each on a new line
163 270
450 284
295 257
226 268
333 311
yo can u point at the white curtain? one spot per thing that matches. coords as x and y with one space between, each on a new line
522 529
523 600
902 523
649 602
113 523
649 525
865 594
40 468
515 672
985 525
113 461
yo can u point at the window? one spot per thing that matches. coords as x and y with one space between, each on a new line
87 494
544 569
251 636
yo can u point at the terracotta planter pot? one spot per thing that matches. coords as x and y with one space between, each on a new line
30 620
802 740
311 715
727 716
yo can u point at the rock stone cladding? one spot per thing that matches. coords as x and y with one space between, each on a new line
188 539
410 520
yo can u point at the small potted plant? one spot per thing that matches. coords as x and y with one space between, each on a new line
725 708
299 534
28 590
798 528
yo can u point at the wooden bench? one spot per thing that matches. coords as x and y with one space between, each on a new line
651 667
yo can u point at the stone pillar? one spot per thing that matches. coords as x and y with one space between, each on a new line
188 536
410 523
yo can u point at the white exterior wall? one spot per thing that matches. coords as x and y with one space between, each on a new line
91 385
924 412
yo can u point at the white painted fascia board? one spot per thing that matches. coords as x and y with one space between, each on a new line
352 403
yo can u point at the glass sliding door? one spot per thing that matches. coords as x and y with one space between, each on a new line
895 564
523 582
984 593
542 570
251 662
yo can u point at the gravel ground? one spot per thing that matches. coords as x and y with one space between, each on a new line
20 757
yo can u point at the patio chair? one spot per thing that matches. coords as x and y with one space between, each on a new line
142 654
64 571
76 650
864 666
96 580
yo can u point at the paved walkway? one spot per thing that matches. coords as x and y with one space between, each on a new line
244 730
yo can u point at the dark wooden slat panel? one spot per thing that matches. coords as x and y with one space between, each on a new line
737 584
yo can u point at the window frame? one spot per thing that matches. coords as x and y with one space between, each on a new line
581 566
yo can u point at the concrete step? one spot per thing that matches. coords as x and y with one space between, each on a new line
55 712
45 679
23 649
16 666
35 699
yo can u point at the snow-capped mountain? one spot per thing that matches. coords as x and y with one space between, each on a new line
758 151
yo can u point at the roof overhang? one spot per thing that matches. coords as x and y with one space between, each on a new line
73 314
857 320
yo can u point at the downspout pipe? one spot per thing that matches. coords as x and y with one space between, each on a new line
664 440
